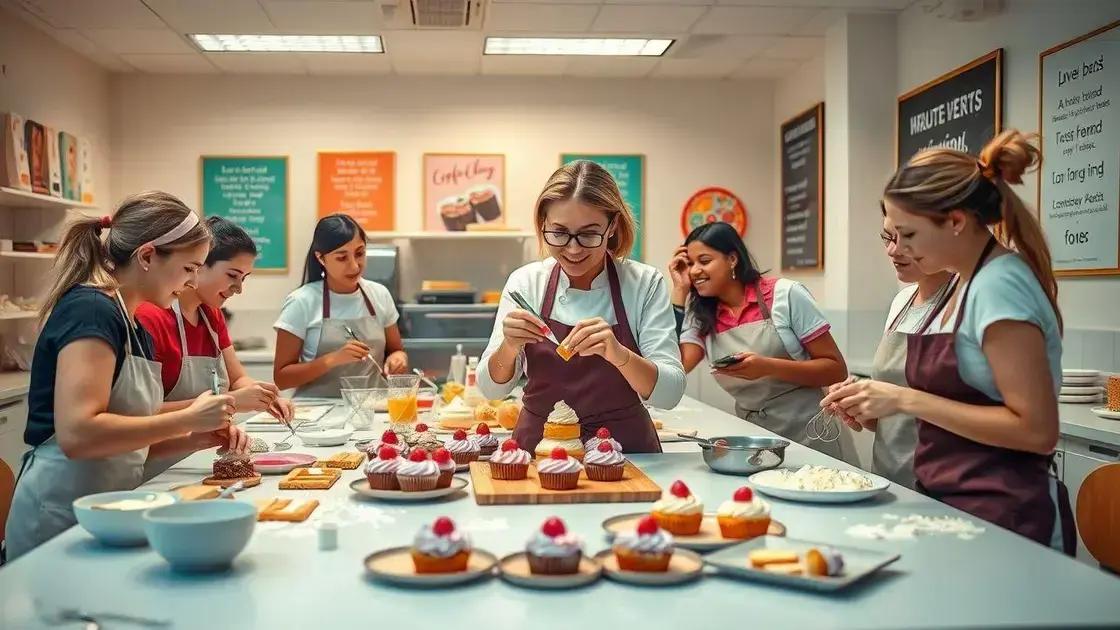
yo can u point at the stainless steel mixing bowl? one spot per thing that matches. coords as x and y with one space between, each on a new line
743 455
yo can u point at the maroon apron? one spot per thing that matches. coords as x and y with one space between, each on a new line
1003 486
594 388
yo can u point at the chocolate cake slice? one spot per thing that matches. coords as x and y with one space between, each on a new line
231 466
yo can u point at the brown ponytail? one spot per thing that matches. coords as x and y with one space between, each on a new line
85 258
936 181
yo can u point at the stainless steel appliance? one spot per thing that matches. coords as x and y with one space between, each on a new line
382 266
431 332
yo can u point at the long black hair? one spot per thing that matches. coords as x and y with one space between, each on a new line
331 232
723 238
227 239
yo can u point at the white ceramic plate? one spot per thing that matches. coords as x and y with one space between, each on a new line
1080 400
759 481
361 487
1106 413
1070 381
514 569
1081 373
1081 391
326 437
685 566
395 566
858 563
280 463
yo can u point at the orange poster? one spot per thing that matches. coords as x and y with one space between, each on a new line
361 184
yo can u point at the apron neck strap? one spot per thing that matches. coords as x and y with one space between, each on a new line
991 245
956 280
327 300
180 324
550 292
612 281
902 312
762 306
130 328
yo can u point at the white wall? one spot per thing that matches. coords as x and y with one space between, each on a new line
693 134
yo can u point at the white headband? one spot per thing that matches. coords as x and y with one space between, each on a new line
177 232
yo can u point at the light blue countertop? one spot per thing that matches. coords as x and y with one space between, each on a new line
283 581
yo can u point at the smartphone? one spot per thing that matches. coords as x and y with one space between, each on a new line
726 361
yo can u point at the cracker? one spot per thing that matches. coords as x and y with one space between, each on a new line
310 479
763 557
198 493
345 460
288 510
787 568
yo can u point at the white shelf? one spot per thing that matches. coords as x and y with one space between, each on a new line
31 255
15 198
448 236
19 315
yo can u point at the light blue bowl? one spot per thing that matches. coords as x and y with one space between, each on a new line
197 536
116 528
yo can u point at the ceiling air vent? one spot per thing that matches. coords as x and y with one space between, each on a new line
444 13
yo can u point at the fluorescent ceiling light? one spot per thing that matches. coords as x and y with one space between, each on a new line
606 46
289 43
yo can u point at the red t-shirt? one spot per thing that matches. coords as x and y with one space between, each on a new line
160 322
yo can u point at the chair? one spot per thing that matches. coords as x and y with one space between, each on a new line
7 491
1098 515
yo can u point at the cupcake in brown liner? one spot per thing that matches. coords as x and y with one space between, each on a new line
604 463
382 472
559 471
463 450
487 441
446 465
511 463
553 551
648 548
418 473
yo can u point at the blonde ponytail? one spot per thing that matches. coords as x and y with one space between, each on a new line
81 259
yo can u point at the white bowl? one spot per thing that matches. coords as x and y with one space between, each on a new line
117 528
195 536
327 437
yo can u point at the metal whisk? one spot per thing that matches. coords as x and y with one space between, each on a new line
823 427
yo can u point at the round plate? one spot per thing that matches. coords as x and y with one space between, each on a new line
514 569
758 482
327 437
1081 373
255 480
1106 413
1079 400
685 566
708 539
1080 381
395 566
361 486
1068 390
281 463
495 429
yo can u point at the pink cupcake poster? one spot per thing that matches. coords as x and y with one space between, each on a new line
463 190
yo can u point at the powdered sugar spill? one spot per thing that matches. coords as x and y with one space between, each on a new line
344 512
910 527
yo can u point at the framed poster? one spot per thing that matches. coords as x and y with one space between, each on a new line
802 194
962 109
629 171
462 189
361 184
1079 181
251 191
712 204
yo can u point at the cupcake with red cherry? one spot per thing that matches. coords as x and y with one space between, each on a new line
679 511
463 450
744 515
418 473
559 471
446 465
602 435
648 548
487 442
554 551
510 463
382 472
604 463
441 548
390 439
422 437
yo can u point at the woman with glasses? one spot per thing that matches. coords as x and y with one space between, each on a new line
611 318
768 342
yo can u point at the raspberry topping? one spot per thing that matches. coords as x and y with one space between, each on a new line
510 445
419 455
743 495
387 452
443 526
441 456
460 435
679 490
647 526
603 433
553 527
559 453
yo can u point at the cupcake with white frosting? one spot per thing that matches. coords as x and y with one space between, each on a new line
463 449
679 511
604 463
648 548
744 515
553 550
418 473
510 463
602 435
559 471
561 430
382 471
441 548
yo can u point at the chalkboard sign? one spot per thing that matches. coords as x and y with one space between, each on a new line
960 110
802 146
251 191
629 172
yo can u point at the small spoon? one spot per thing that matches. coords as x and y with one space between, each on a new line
701 441
429 382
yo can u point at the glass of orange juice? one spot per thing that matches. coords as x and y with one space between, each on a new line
402 398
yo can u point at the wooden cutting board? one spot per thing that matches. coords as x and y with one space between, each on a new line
635 486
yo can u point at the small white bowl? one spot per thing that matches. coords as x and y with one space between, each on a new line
118 528
197 536
328 437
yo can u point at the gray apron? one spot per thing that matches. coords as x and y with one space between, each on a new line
333 336
778 406
895 436
194 378
50 481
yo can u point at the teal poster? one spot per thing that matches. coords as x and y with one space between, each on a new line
251 191
629 171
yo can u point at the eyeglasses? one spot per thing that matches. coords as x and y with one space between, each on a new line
586 240
888 239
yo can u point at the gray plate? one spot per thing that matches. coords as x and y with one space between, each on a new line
759 481
361 486
685 566
858 563
514 569
395 566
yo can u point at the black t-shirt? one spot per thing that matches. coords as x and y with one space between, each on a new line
82 313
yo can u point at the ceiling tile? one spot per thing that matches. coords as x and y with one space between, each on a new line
795 48
170 64
119 40
213 16
738 47
538 65
880 5
766 69
322 17
92 13
617 67
540 18
347 63
74 39
696 68
646 18
434 52
752 20
816 25
258 63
